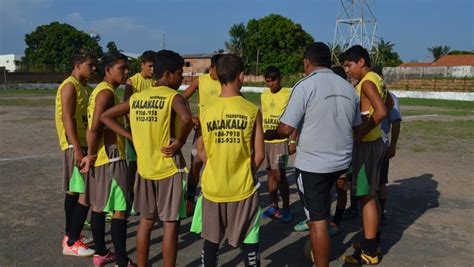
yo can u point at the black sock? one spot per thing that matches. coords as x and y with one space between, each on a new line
118 229
338 216
98 232
377 237
78 218
370 247
191 193
354 206
70 202
251 255
209 254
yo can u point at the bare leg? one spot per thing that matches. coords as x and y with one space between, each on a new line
320 242
170 243
143 240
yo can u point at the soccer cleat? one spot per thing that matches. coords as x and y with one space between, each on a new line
361 258
129 264
285 215
78 249
85 240
272 212
358 246
98 260
302 226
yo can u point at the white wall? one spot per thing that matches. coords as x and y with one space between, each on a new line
8 61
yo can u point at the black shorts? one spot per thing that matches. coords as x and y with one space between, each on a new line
315 192
384 171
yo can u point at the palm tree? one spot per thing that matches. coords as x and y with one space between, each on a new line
439 51
384 55
237 34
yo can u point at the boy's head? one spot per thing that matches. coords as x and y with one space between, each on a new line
317 54
83 61
230 68
114 65
356 61
169 68
212 67
146 63
273 78
339 70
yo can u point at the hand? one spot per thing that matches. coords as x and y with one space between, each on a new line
78 155
170 150
87 162
391 152
196 120
292 149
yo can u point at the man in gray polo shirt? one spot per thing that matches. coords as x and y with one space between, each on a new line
324 108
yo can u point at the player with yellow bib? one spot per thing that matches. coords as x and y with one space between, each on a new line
232 148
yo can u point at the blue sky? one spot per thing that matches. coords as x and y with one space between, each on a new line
200 26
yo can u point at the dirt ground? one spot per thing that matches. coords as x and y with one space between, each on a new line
430 207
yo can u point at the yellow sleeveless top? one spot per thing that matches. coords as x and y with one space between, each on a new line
102 157
139 83
209 90
227 127
80 114
273 106
150 120
375 133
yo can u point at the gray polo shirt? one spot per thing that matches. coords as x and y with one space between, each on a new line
324 108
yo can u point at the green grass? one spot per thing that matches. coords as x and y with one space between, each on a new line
26 102
441 112
10 91
457 104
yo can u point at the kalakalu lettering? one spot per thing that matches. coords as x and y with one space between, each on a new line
226 124
148 104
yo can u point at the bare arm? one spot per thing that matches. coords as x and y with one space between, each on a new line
396 125
258 142
128 90
103 101
108 118
68 103
370 97
191 88
183 112
200 147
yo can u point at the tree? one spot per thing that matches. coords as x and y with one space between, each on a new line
271 40
384 56
49 47
438 51
461 52
237 35
112 47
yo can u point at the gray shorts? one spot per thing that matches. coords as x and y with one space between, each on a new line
276 155
73 180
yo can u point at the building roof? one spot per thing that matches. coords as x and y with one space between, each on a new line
204 55
445 61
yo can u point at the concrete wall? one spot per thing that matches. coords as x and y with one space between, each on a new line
11 62
392 74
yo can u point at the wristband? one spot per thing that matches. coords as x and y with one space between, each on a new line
292 142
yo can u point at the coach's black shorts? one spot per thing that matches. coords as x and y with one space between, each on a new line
315 192
384 170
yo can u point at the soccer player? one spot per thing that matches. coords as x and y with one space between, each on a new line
232 148
159 190
368 151
209 88
71 126
273 101
109 188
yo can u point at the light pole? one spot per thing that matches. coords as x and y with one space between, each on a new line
258 54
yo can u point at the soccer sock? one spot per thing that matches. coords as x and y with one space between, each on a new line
98 232
70 202
118 228
78 218
209 254
251 255
338 216
377 237
191 193
370 247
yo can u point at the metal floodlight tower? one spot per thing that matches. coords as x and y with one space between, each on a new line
356 24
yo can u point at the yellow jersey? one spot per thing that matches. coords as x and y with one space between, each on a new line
227 128
80 114
273 106
209 90
102 157
375 133
150 120
139 83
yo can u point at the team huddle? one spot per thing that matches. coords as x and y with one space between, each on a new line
123 158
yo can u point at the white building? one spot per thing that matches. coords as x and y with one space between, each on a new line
11 62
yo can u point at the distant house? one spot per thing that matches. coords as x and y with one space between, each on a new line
445 61
195 64
10 62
